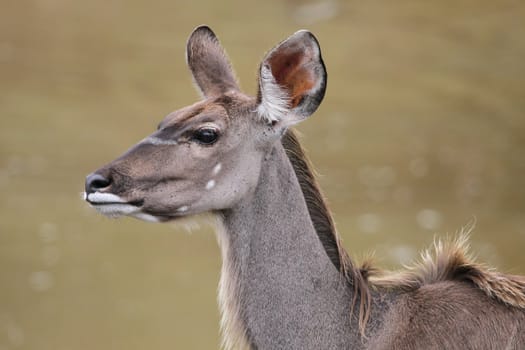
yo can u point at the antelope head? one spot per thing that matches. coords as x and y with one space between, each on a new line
207 156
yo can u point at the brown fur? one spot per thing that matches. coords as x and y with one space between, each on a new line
289 71
449 315
448 261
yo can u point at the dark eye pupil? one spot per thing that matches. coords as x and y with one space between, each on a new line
206 136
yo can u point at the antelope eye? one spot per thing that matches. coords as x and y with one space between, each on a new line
206 136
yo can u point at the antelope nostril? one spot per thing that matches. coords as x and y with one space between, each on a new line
95 182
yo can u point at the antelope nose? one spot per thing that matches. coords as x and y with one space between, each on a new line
96 182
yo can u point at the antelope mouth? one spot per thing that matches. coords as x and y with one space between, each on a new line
112 205
99 198
115 206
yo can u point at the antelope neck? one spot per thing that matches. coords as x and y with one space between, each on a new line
278 271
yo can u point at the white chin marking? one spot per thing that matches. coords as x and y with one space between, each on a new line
114 206
116 210
98 197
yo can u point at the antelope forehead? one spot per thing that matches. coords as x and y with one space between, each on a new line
202 109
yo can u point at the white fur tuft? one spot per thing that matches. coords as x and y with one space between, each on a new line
274 99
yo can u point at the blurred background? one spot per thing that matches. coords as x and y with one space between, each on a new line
421 132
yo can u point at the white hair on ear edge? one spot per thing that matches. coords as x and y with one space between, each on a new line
274 99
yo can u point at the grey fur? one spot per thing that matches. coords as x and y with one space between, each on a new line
291 295
286 283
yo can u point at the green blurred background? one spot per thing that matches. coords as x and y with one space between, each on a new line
421 132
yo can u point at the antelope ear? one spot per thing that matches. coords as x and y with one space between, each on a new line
292 80
209 64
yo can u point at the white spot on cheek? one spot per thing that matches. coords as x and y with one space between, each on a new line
210 184
217 168
183 209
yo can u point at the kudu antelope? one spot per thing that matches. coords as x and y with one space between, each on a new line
286 283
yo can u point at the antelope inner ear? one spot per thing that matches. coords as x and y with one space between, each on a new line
292 80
